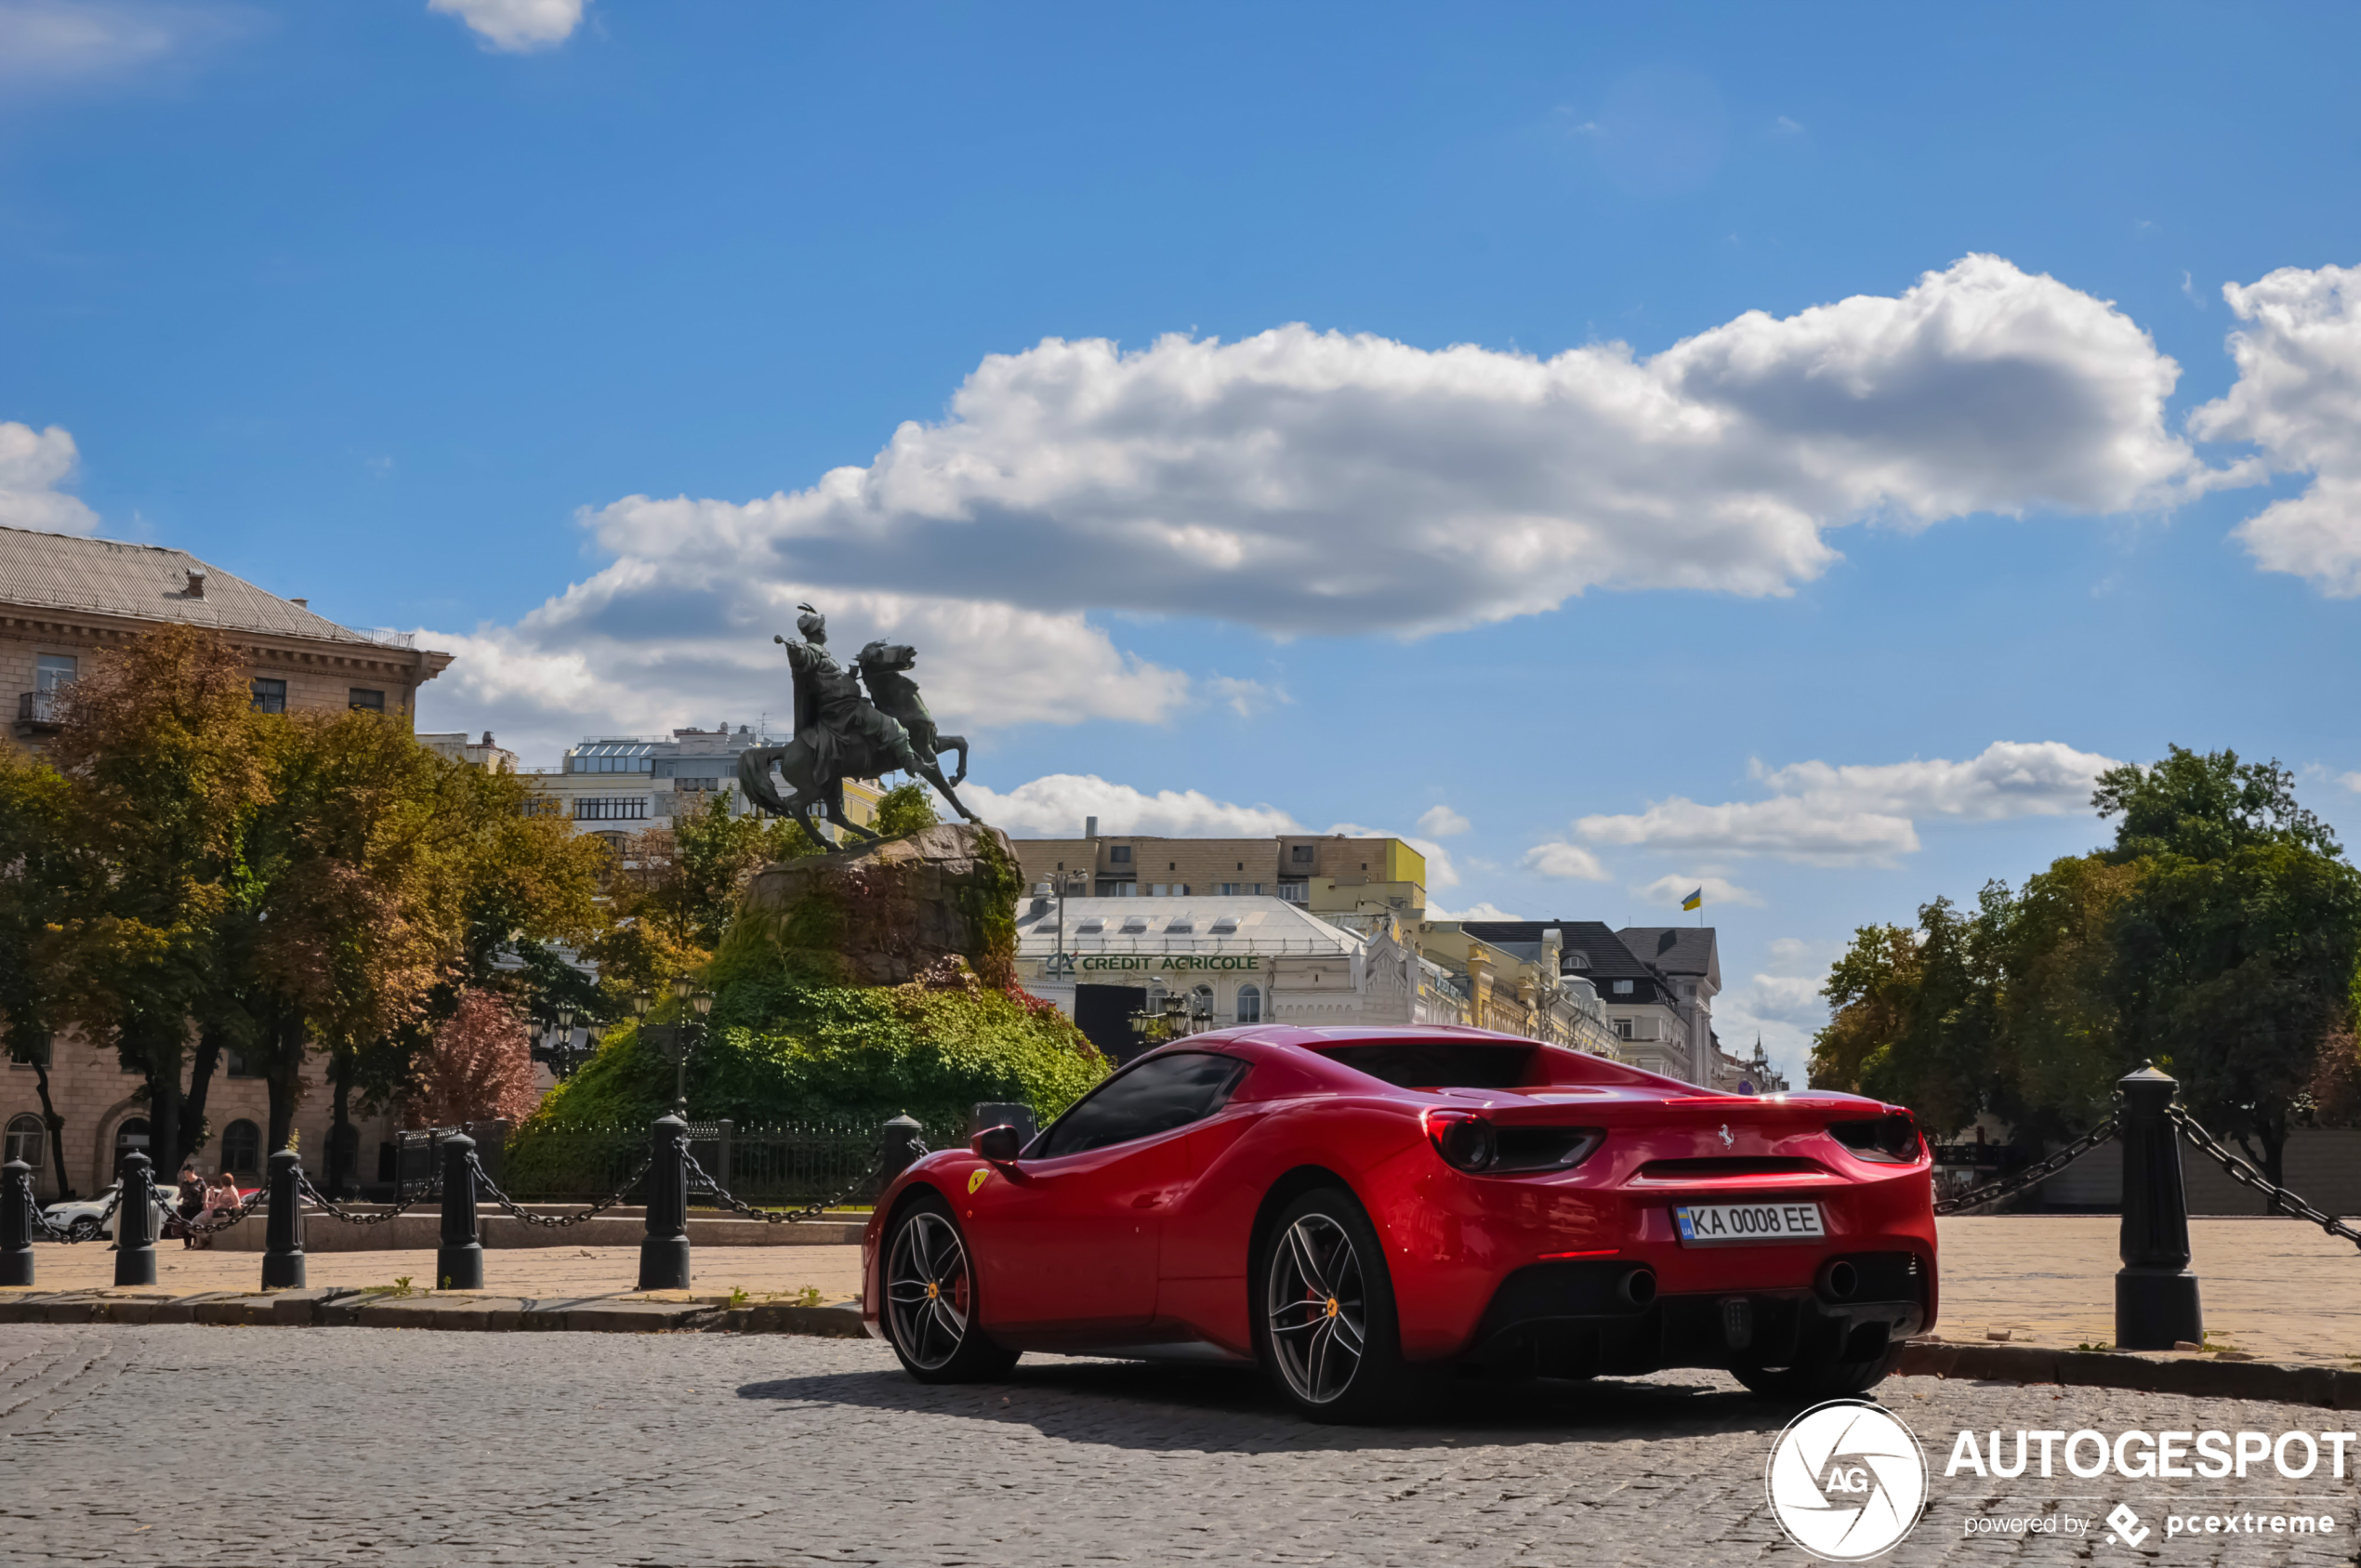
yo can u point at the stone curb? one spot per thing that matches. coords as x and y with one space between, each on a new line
2322 1385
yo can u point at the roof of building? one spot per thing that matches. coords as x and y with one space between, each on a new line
1266 925
151 582
1677 950
1609 958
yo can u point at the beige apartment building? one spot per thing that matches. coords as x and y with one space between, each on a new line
1328 874
65 601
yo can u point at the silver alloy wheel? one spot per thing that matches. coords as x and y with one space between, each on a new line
1318 1309
928 1294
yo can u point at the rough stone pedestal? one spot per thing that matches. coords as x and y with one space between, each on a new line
885 913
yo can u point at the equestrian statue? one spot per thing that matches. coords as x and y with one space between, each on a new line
840 735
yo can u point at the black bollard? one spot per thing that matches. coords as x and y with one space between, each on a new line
135 1223
2155 1295
663 1255
458 1262
897 1149
16 1223
282 1251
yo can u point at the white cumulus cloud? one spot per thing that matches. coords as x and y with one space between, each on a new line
2298 398
644 647
1057 807
1441 821
33 465
1487 910
1570 860
1719 891
515 26
1852 814
1315 481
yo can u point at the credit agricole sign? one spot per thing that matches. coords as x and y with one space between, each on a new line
1099 961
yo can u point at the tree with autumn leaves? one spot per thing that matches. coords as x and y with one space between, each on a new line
213 879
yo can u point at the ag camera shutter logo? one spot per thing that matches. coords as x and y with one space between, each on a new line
1846 1480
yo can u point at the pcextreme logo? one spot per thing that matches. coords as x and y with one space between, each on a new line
1846 1480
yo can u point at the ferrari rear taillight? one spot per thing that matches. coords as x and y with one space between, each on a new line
1475 1144
1887 1139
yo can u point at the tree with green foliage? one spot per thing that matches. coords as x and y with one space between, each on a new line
167 764
2219 936
38 875
2236 950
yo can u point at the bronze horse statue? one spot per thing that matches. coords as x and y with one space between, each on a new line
881 667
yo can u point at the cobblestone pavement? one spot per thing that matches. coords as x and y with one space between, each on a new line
356 1446
761 1271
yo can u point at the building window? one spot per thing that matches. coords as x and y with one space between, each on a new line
1295 892
1250 1004
609 808
234 1064
52 671
37 1055
361 700
269 696
1119 855
131 1136
1302 854
242 1148
27 1140
1112 889
1573 960
1623 1029
1623 988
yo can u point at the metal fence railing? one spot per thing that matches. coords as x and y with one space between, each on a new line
783 1165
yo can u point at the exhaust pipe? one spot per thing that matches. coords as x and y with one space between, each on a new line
1838 1280
1638 1287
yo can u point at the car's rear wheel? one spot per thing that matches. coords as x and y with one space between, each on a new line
929 1310
1325 1328
1817 1380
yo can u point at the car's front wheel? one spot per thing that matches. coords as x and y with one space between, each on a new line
929 1310
83 1229
1326 1330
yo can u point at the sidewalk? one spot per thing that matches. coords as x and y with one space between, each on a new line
763 1273
2275 1290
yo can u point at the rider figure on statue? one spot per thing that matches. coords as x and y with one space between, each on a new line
848 737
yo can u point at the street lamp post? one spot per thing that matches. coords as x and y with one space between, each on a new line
692 999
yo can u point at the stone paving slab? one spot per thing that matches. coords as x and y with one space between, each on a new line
762 1273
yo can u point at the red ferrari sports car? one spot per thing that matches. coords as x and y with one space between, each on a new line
1357 1208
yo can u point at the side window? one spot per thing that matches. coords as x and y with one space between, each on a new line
1158 1095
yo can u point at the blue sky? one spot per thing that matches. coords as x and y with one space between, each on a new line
1842 449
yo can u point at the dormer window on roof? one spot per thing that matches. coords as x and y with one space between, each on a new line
1135 924
1223 924
1182 927
1092 925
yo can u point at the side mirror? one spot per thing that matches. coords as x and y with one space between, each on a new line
998 1144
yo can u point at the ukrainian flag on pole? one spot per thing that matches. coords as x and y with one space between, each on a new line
1694 900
